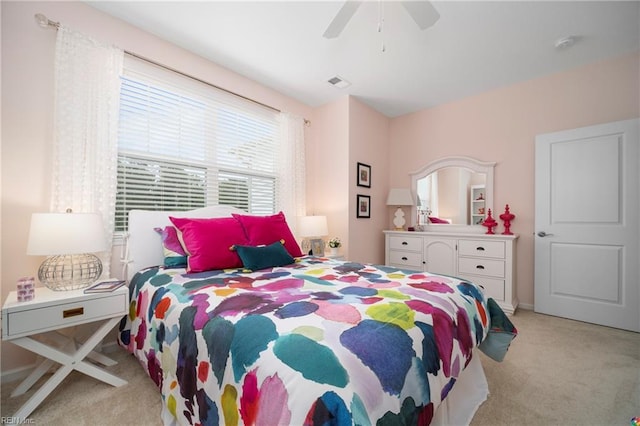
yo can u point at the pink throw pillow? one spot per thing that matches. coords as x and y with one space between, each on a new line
434 219
265 230
208 242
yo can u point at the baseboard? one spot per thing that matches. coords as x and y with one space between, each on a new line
525 306
16 373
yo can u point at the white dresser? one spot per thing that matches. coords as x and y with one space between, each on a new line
487 260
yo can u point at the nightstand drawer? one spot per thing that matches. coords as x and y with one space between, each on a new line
483 267
405 243
406 259
482 248
39 319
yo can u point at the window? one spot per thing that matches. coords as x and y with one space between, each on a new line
183 144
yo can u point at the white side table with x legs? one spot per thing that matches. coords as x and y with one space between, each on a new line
50 311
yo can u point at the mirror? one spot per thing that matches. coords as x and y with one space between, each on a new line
452 191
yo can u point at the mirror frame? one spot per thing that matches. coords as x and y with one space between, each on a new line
472 164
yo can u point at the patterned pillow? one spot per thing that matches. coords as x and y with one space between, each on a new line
261 257
174 254
263 230
208 242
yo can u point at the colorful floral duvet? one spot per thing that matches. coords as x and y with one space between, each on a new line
317 342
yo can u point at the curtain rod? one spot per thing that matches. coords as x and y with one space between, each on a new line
45 22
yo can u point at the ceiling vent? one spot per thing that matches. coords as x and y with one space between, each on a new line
565 42
338 82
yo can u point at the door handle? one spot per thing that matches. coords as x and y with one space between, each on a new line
543 234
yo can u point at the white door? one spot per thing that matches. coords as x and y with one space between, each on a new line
586 225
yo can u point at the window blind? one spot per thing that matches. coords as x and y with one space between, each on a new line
183 144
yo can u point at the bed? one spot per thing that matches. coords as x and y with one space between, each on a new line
317 341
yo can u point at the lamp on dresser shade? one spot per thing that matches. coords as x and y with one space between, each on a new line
399 197
310 227
69 239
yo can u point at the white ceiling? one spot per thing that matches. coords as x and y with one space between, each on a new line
475 46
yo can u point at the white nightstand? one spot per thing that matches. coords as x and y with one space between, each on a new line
50 311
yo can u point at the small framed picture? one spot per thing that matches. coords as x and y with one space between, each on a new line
317 247
364 175
363 206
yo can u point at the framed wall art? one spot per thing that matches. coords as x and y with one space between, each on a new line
364 175
363 206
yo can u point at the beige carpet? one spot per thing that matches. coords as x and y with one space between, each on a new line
557 372
563 372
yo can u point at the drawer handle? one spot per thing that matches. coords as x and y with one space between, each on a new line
72 312
404 243
404 258
479 267
480 248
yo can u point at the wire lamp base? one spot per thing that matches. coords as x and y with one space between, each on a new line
70 271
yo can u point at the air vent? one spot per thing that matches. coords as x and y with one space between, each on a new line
565 42
339 82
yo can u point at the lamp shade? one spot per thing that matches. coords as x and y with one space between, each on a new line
313 226
400 197
66 233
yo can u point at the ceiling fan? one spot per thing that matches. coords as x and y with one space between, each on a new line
422 12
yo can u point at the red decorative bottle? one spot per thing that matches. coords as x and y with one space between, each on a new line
490 223
507 217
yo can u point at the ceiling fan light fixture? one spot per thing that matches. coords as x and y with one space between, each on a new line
422 12
338 82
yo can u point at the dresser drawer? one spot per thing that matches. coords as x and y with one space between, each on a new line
495 249
56 316
493 287
405 243
406 259
483 267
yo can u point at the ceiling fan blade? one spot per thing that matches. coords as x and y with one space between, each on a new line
422 12
342 18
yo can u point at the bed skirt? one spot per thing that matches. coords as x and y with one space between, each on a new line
470 391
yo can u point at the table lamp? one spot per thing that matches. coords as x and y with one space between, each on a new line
68 239
309 227
399 197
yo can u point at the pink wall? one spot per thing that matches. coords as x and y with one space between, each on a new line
369 144
348 132
328 169
501 126
27 117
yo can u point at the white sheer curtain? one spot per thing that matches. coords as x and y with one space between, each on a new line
290 194
87 94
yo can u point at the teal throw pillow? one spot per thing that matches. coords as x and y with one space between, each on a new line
261 257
